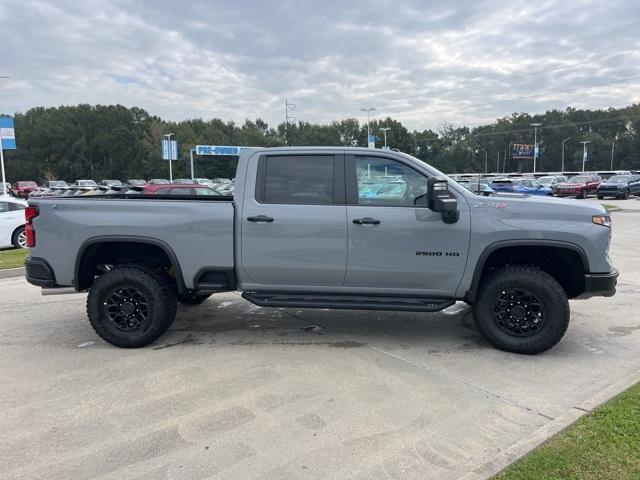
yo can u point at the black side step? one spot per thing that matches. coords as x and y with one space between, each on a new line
349 302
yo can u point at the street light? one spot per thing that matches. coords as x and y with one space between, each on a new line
563 142
385 130
478 150
168 137
4 180
535 144
368 110
584 153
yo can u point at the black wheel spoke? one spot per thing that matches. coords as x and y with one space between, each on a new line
127 309
518 312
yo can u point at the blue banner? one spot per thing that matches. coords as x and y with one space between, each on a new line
7 133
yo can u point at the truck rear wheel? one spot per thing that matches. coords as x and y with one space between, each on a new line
522 309
131 306
193 298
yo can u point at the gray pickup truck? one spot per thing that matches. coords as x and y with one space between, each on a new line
326 228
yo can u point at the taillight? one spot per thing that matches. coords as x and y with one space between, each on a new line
29 214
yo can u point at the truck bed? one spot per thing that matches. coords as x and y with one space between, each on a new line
196 229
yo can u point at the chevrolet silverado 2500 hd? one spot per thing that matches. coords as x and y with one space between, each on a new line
326 228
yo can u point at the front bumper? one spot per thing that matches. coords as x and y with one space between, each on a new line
600 284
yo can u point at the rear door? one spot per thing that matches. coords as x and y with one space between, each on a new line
293 224
397 244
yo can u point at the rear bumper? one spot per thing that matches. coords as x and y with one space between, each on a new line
39 273
600 284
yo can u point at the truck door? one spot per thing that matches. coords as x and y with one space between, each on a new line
294 227
395 243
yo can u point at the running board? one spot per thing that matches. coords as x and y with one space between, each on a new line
349 302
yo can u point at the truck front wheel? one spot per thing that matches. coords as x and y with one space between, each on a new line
522 309
131 306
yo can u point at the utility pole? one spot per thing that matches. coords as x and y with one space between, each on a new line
368 110
535 144
563 142
584 153
191 158
478 150
613 146
498 168
288 107
385 130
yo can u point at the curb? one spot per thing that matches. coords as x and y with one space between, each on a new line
544 433
12 272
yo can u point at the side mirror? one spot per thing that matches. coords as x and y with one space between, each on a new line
439 199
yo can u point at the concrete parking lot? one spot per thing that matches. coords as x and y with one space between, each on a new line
234 391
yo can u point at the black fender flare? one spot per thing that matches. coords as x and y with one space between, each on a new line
470 294
130 239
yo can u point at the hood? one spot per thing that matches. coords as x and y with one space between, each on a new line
555 206
572 184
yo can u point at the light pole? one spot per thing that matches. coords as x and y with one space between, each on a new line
4 180
535 144
584 153
368 110
191 158
563 142
613 146
478 150
168 137
385 130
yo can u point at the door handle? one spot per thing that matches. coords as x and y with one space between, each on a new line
260 218
366 221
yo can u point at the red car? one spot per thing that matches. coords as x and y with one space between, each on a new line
176 189
23 189
579 186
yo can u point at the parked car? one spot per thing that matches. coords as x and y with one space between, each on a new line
136 182
298 235
175 189
54 184
12 222
158 181
202 181
529 186
579 186
111 183
85 183
619 186
478 187
23 188
186 181
552 181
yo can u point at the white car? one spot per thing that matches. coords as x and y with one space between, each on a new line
12 222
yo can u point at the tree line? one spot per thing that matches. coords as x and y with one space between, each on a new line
113 141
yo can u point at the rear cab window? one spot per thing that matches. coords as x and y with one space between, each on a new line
298 179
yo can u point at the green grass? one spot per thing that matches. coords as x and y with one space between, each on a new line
603 445
12 258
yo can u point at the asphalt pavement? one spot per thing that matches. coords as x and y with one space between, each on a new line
235 391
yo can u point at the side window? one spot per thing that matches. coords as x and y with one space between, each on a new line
15 206
385 182
4 207
298 179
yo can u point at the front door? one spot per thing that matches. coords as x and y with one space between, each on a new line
294 227
395 241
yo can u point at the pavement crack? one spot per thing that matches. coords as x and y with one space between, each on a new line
582 409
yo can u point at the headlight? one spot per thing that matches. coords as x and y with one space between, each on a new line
604 220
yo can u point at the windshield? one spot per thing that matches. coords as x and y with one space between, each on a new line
619 179
87 183
546 180
136 182
578 179
27 184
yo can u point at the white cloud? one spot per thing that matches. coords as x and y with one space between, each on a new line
425 63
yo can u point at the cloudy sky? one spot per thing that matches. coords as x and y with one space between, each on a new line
425 63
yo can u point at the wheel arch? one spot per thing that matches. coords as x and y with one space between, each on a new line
93 247
571 281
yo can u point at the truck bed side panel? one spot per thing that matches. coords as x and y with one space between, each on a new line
199 233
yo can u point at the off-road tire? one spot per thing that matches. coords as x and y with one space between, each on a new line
193 299
160 300
540 284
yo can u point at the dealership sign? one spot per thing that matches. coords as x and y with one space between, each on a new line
217 150
7 134
522 150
